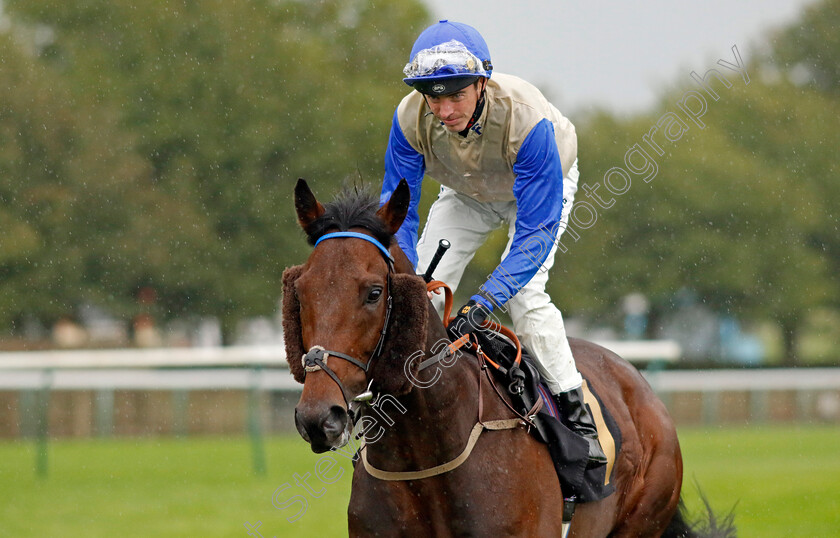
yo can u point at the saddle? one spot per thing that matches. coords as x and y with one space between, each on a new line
524 388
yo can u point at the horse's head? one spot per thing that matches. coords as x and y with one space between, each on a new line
353 313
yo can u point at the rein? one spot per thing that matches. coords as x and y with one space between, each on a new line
480 426
317 356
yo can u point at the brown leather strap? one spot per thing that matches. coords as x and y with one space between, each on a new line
447 298
505 424
447 310
446 353
475 433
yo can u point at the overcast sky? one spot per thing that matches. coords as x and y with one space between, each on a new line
615 54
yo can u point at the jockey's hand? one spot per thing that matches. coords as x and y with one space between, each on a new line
469 319
436 292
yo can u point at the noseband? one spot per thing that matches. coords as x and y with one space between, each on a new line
316 358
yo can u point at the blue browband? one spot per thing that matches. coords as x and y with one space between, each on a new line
357 235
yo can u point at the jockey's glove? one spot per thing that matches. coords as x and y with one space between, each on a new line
469 319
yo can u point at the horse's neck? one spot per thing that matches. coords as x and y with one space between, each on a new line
431 422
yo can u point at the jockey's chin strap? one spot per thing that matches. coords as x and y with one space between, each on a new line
316 358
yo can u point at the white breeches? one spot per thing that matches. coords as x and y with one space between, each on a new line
466 223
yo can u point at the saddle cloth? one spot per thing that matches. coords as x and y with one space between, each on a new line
568 450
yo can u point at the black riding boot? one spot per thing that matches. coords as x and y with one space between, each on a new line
575 414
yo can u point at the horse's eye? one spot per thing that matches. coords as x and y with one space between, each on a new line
374 295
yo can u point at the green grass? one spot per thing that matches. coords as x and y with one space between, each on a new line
165 487
781 480
785 481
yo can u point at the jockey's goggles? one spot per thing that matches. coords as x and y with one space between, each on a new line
444 69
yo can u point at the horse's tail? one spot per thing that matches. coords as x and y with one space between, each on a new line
681 527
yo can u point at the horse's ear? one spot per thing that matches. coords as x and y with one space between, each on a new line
396 208
308 208
291 323
406 335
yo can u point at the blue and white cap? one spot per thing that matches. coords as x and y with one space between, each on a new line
447 57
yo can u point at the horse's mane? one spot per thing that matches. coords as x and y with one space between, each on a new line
354 207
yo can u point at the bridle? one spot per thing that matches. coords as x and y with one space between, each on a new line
316 358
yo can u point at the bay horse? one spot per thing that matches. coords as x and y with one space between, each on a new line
356 318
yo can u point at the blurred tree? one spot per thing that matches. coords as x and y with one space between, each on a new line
155 144
725 222
743 211
62 190
793 132
808 51
224 105
807 55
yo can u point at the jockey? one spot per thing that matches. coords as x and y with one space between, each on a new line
502 153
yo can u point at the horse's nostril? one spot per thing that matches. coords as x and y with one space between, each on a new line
335 421
322 429
301 428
